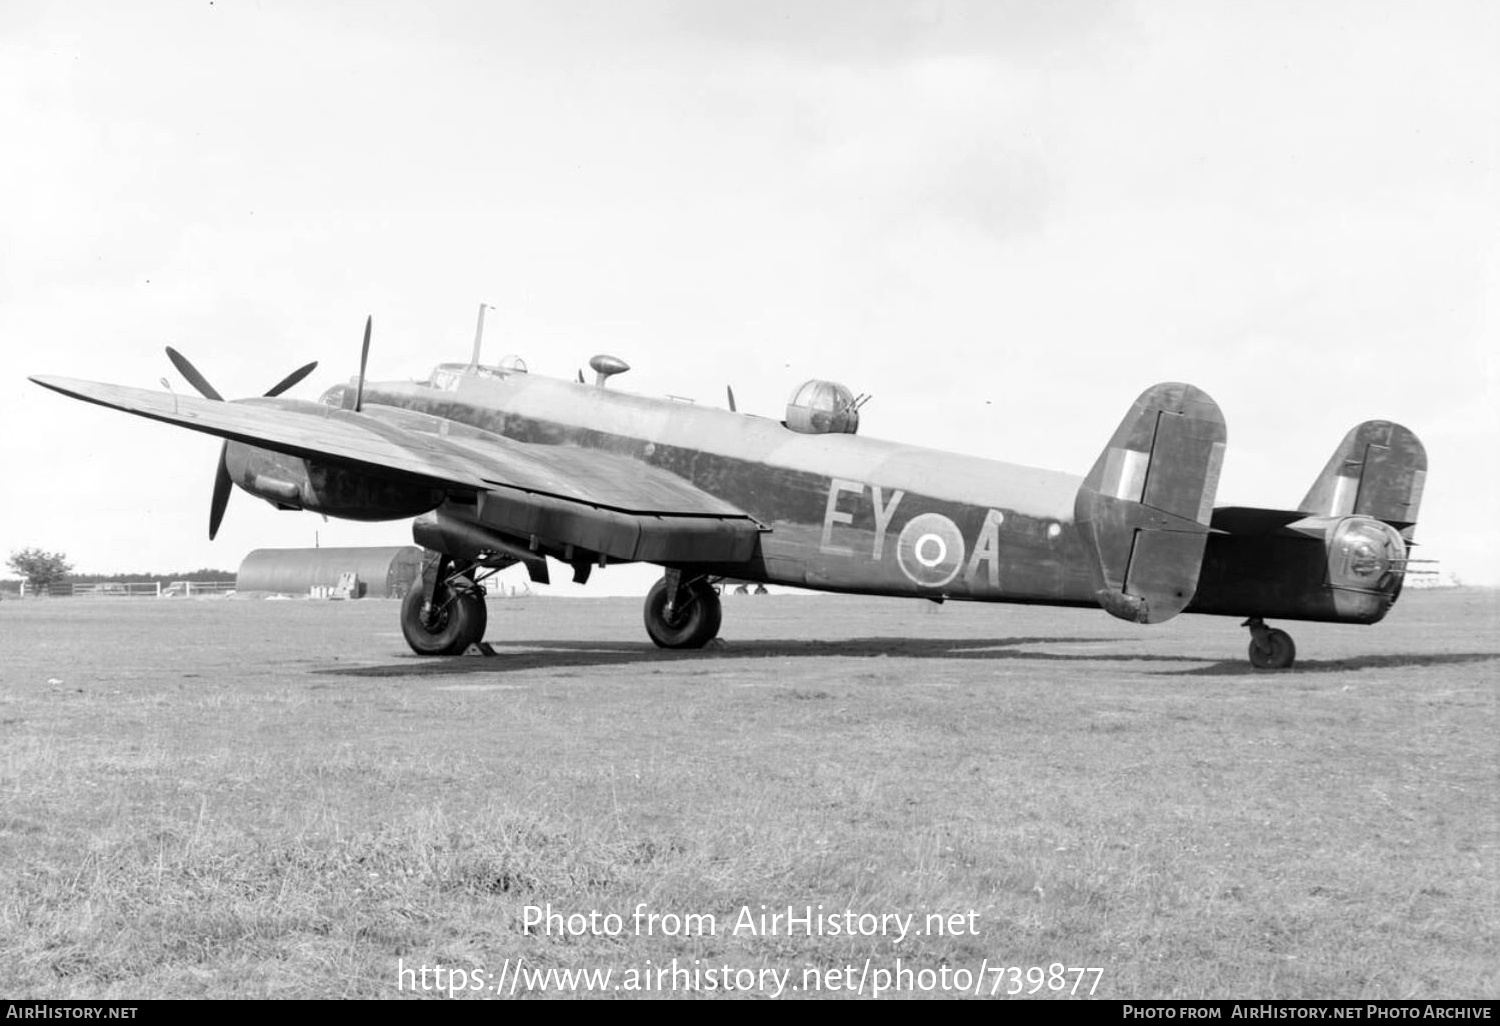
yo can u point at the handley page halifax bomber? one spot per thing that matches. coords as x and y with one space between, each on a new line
499 467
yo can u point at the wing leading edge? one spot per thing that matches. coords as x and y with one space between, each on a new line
539 484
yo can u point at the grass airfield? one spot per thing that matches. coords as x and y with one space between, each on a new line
241 798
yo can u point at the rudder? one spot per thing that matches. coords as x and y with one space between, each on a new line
1378 470
1143 510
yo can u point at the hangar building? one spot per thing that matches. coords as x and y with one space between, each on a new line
385 572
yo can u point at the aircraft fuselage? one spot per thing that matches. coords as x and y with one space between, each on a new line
854 514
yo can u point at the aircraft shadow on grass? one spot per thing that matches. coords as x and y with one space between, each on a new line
1413 660
553 655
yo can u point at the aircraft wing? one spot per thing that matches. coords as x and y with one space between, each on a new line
540 484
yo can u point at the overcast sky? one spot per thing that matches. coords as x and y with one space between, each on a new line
1003 219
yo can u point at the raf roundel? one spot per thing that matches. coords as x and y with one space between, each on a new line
930 550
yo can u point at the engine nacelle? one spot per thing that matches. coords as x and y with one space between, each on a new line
291 482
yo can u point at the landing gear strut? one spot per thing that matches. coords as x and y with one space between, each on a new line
682 614
1270 649
444 613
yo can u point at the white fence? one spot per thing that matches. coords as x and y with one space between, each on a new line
197 589
112 589
126 589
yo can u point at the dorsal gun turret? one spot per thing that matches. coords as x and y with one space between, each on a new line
824 408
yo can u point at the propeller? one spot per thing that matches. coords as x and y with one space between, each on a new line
364 358
291 379
198 381
730 390
223 483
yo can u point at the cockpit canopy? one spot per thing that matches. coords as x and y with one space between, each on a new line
823 408
447 375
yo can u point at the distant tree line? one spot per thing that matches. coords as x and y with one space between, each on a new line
186 575
42 569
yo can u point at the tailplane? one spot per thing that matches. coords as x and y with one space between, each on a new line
1143 510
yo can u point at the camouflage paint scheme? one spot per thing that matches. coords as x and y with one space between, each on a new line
836 505
591 475
844 511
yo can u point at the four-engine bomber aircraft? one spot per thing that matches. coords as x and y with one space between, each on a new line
499 467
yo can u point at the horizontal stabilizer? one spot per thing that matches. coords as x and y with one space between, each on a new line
1377 471
1143 510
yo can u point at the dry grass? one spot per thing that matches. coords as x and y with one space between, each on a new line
257 799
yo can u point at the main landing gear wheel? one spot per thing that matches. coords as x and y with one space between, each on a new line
1270 649
692 620
450 623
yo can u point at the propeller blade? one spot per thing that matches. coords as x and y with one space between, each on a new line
223 483
580 377
190 372
291 379
222 486
730 390
364 356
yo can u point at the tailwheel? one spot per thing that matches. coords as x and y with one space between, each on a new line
450 622
1270 649
682 615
